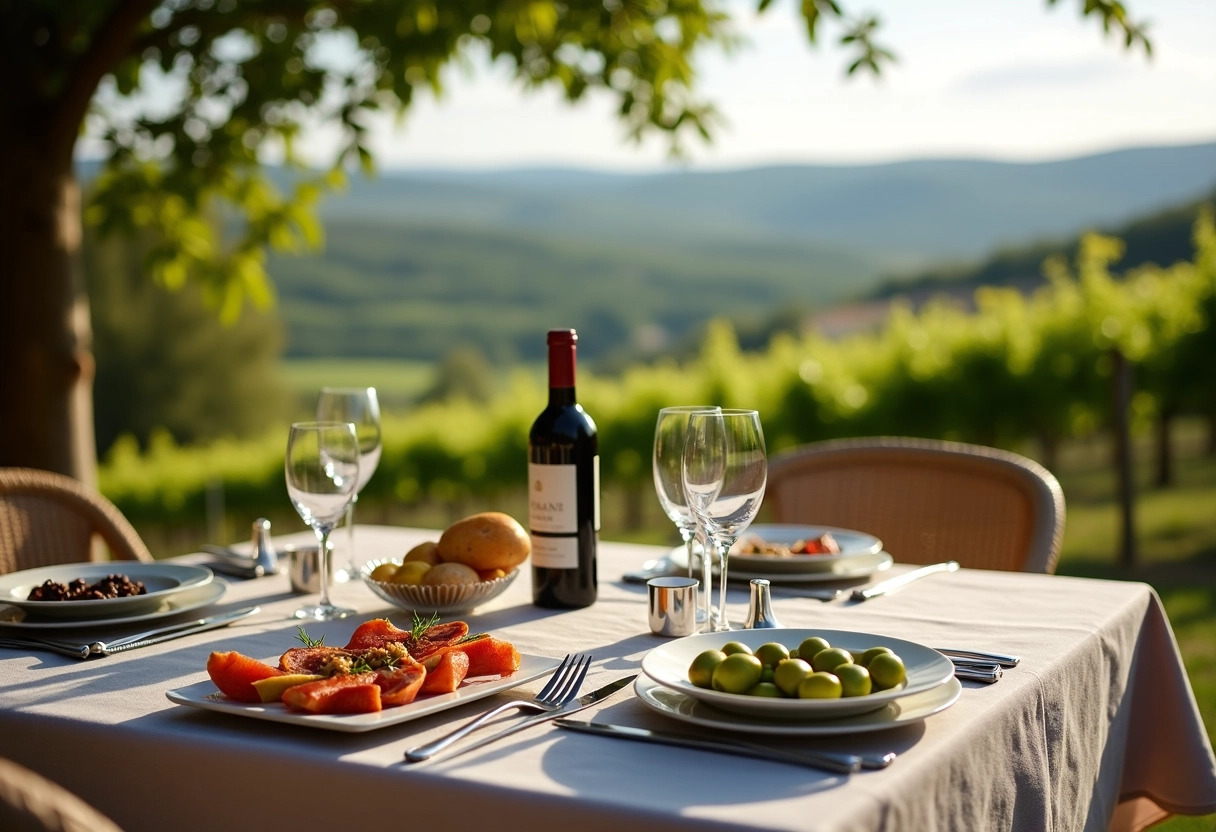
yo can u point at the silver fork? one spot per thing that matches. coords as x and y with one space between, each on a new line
561 688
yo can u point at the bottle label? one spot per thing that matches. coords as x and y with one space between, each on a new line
553 498
555 552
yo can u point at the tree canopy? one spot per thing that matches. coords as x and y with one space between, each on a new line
188 97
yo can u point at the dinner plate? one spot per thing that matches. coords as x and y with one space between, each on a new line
203 695
855 568
668 665
188 599
852 544
160 579
905 710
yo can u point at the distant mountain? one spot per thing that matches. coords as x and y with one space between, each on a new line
907 214
1162 238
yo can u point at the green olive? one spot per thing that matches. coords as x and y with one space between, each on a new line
732 647
737 673
701 671
854 680
868 655
828 660
771 653
765 689
810 646
820 685
887 671
789 673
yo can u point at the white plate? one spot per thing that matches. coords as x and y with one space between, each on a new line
204 695
903 711
856 567
852 545
184 601
160 579
668 665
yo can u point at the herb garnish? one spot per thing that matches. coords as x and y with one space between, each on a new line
421 625
309 642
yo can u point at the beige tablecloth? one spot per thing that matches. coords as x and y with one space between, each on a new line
1096 729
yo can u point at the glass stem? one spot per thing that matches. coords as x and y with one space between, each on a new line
722 624
707 581
351 569
323 563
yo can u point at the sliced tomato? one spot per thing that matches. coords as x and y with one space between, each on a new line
400 685
354 693
234 674
488 656
448 673
377 633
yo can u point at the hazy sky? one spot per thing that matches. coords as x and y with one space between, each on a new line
1007 79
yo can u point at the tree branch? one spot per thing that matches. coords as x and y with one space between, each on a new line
112 41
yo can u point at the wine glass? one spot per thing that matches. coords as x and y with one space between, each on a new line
359 406
322 470
725 470
668 464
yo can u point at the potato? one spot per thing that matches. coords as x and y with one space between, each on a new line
427 552
450 573
487 541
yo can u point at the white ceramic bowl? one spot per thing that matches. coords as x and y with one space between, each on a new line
668 665
435 599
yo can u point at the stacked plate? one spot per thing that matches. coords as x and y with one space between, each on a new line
170 589
930 687
860 556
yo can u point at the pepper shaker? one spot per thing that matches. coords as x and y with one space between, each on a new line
760 611
265 558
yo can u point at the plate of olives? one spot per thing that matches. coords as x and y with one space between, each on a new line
797 674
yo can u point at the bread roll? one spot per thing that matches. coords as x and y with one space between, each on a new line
490 540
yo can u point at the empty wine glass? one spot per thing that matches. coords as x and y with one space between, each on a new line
725 470
322 471
359 406
668 457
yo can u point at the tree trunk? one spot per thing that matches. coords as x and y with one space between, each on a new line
45 333
1121 397
1165 449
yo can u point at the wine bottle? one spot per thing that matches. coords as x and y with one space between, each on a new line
563 488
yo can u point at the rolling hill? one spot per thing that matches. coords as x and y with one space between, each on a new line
417 263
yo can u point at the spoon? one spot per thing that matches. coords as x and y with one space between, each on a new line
654 568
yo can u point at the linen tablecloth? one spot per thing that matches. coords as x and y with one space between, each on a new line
1096 729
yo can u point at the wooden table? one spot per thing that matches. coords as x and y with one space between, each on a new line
1096 729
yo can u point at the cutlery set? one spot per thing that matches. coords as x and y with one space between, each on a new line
144 639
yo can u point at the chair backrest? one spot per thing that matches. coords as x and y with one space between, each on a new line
47 518
31 803
927 500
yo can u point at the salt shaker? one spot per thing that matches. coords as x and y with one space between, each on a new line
265 558
760 610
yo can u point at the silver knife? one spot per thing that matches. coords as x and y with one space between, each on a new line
415 755
1003 659
891 585
172 631
101 648
826 760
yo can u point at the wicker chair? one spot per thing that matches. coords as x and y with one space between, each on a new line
47 518
927 500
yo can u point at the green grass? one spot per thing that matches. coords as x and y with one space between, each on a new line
395 380
1175 553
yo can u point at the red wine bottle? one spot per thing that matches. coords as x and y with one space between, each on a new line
563 488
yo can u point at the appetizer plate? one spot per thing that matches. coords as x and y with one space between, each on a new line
668 665
161 580
855 567
905 710
852 545
193 598
203 695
